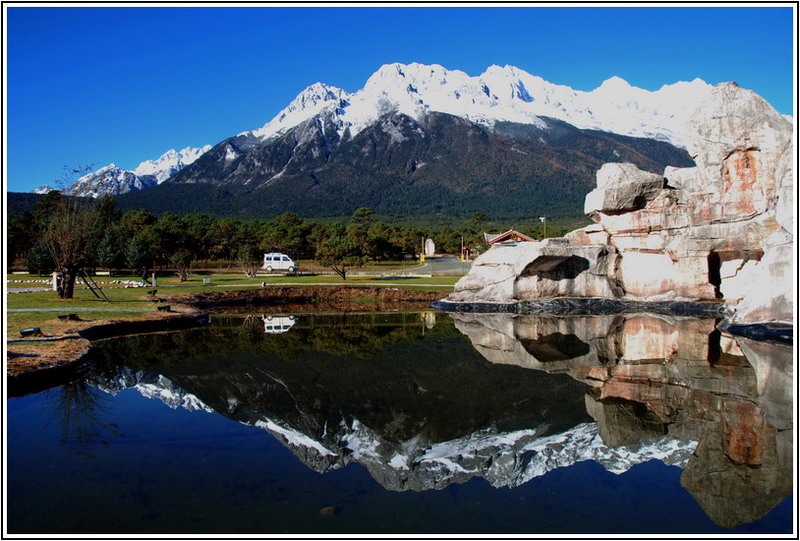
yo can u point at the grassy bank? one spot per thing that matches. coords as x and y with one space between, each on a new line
40 309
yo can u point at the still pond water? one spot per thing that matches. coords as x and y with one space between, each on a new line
412 423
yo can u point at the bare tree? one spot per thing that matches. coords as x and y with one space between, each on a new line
70 234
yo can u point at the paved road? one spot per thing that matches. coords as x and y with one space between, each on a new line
444 265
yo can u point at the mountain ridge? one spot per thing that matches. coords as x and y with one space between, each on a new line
112 180
499 94
439 164
299 147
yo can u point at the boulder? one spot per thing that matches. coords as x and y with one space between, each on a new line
622 187
532 270
679 177
765 291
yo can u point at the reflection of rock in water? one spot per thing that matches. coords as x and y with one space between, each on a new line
743 464
733 492
505 339
556 347
677 377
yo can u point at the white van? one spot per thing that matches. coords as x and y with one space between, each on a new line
276 261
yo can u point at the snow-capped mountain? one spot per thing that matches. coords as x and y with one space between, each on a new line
310 102
322 125
499 94
111 180
437 164
169 163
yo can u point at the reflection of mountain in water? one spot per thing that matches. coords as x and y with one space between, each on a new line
502 458
420 408
151 386
676 377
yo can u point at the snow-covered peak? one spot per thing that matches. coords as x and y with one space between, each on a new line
43 189
309 103
501 93
102 170
386 72
170 162
615 84
415 89
388 76
695 85
151 385
504 459
313 98
507 74
112 180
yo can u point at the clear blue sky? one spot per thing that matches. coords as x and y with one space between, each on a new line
124 84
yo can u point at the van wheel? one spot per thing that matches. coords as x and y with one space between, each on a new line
291 269
269 269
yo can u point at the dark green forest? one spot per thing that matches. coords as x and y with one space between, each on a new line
134 239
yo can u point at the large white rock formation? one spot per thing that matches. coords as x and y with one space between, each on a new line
722 230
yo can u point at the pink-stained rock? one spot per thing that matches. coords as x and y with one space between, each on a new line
664 275
591 373
738 140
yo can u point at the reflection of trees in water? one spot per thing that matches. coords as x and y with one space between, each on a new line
392 372
339 336
79 409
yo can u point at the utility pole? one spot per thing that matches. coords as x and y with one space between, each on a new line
543 219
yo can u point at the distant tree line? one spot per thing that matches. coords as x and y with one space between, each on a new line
72 234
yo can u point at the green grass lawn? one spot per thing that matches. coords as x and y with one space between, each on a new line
127 304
